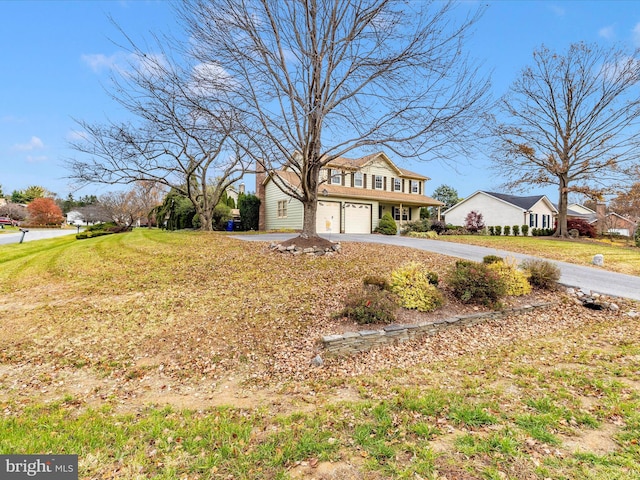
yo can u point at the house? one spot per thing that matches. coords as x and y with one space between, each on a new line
612 222
603 221
498 209
352 196
575 210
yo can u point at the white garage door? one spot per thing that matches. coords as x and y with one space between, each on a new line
328 217
357 218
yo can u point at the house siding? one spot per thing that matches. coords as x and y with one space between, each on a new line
496 212
346 193
493 212
293 221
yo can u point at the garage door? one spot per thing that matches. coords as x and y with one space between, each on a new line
328 217
357 217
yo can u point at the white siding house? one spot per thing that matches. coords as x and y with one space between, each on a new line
504 210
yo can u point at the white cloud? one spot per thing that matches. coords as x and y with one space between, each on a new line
607 32
636 34
148 64
99 62
557 10
33 144
36 159
76 135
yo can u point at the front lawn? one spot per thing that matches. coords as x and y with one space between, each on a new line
619 256
171 355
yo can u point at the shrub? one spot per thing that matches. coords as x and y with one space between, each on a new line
371 305
430 234
498 230
473 282
516 281
387 225
492 230
516 230
380 283
415 287
507 230
489 259
637 237
525 230
542 274
422 225
474 222
438 226
584 227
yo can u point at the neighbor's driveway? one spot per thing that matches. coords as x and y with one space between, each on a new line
34 234
588 278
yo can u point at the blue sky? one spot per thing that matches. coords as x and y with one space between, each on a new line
56 56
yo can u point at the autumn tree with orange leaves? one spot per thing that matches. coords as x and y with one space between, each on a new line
571 120
44 211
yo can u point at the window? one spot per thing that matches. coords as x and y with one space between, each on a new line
357 179
533 220
282 209
397 185
414 187
396 213
378 182
336 178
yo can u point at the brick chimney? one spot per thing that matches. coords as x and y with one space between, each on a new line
601 209
261 175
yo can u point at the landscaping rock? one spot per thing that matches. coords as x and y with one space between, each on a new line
598 260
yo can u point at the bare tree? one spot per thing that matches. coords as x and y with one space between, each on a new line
121 207
316 79
627 202
180 137
572 121
146 196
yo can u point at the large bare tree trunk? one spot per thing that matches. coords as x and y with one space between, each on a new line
563 201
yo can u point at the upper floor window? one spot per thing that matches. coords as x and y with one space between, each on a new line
357 179
397 185
378 182
414 187
336 178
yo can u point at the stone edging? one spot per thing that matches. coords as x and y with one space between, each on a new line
364 340
295 250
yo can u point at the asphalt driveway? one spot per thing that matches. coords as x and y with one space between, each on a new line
588 278
35 234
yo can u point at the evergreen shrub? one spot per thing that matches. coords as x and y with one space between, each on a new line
387 225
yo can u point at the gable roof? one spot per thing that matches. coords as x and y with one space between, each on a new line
628 221
523 203
358 163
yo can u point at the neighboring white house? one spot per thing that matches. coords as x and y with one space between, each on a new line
352 196
502 210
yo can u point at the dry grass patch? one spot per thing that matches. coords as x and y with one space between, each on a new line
186 355
618 257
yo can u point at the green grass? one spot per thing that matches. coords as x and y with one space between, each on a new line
618 257
114 349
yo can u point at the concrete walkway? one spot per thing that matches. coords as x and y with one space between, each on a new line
589 278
